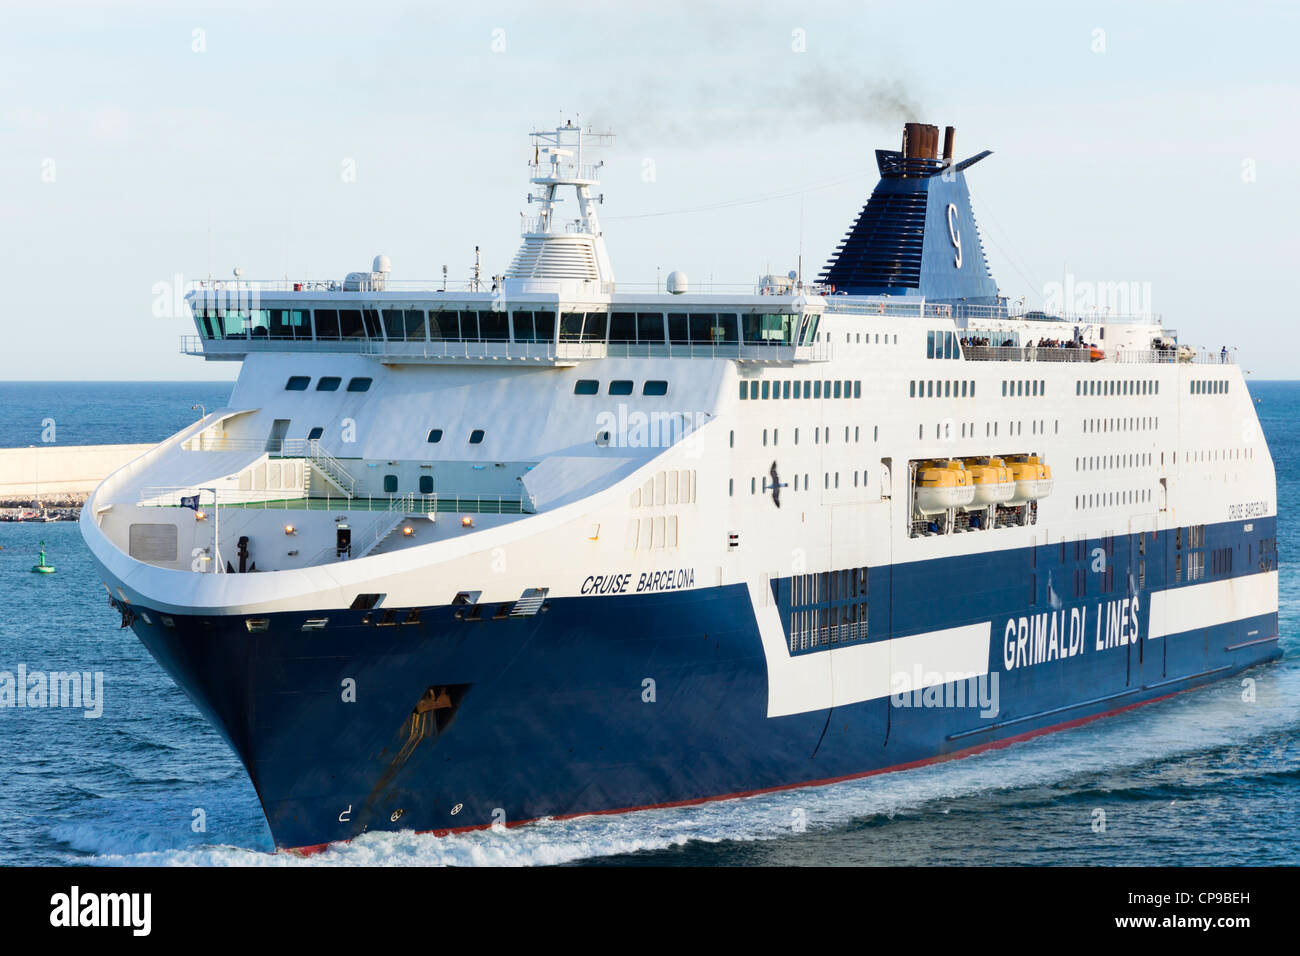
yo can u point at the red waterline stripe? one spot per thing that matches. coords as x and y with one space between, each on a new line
826 781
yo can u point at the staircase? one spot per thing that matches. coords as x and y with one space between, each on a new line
329 468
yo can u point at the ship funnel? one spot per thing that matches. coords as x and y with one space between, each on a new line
916 236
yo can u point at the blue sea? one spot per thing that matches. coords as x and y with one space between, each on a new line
1203 778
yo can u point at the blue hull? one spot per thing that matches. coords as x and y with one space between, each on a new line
462 723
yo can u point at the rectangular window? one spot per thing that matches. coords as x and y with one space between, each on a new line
297 383
493 326
350 326
654 387
622 327
586 386
544 326
570 326
426 484
360 384
624 387
390 484
328 383
444 325
327 324
468 324
650 328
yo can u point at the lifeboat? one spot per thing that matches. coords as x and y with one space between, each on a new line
1033 478
994 484
941 485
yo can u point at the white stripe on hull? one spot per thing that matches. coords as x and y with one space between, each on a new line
1212 603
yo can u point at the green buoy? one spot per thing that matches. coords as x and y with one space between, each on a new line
42 567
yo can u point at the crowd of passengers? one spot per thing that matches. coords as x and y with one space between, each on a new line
983 341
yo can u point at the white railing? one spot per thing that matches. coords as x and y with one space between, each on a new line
328 465
168 496
1125 356
550 226
446 350
917 308
308 449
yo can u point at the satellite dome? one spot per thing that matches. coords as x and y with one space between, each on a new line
677 282
381 264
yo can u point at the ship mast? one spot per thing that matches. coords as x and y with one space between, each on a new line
561 254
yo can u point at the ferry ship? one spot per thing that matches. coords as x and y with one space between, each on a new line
541 547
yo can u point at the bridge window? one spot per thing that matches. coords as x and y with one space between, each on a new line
650 328
328 383
768 329
444 325
622 327
359 385
350 326
494 326
290 323
327 324
297 383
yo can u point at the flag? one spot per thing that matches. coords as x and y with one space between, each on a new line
190 501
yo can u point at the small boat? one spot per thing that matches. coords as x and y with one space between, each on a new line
41 567
1033 478
941 485
994 484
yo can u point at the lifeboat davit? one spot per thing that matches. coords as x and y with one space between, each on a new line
993 481
941 485
1033 478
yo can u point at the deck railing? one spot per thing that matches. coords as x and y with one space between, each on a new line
1184 355
169 496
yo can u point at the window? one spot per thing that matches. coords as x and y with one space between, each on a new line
476 437
620 387
328 383
297 383
426 484
586 386
435 436
315 433
390 484
359 385
654 388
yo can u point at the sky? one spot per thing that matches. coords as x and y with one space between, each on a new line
1151 146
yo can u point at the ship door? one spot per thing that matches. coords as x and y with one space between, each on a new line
886 479
275 440
343 541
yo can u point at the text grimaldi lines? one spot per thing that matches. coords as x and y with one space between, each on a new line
1058 634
